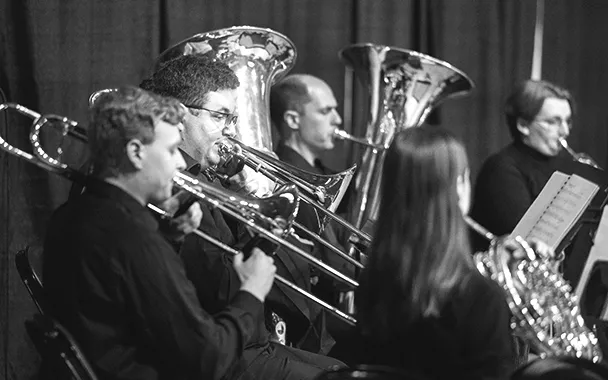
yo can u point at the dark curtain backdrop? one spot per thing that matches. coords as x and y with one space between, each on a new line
54 53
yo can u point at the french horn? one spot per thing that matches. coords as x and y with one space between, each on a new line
546 312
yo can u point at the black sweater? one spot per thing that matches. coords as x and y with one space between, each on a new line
507 184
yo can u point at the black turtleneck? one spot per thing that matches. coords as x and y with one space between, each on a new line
508 183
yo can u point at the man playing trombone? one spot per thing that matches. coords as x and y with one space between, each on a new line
208 90
116 282
304 109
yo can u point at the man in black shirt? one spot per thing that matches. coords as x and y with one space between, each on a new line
208 90
304 110
115 282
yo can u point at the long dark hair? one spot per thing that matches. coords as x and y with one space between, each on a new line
420 252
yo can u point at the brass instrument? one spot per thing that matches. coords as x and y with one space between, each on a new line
264 216
259 57
403 87
343 135
546 313
580 157
320 191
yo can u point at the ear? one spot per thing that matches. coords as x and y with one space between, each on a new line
136 153
523 127
292 120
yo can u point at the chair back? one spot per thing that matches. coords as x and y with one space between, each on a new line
30 279
370 372
58 348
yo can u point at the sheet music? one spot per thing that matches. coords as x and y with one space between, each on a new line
556 209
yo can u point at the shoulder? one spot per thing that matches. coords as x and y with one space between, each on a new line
482 291
505 158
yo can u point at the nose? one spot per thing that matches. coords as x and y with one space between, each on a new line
337 118
229 131
564 129
181 163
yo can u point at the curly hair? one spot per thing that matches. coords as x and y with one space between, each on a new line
189 78
120 116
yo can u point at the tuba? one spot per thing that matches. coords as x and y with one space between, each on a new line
546 312
403 87
259 57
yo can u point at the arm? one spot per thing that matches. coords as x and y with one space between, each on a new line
170 315
501 196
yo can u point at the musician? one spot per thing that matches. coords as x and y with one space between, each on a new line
208 90
422 305
538 114
116 282
304 109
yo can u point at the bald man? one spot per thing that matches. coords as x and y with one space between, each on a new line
304 109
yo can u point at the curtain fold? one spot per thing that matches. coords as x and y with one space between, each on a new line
55 53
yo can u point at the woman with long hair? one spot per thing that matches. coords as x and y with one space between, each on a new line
422 305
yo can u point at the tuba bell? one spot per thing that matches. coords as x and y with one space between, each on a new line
258 57
403 87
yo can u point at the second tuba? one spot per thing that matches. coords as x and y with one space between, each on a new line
403 87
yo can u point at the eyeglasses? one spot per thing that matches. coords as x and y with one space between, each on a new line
228 118
555 122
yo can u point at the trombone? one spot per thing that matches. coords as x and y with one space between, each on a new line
322 192
278 172
261 215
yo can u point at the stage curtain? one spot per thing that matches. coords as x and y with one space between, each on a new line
55 53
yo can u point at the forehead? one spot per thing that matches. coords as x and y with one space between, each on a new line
553 107
222 100
321 95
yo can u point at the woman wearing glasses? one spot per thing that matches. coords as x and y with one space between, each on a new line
538 115
422 305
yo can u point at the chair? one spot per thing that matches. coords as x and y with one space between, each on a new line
58 349
370 372
60 354
561 368
30 278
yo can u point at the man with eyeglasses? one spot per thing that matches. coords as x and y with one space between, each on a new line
207 88
304 110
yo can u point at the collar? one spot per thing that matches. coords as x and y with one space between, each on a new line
533 153
192 166
289 155
100 188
